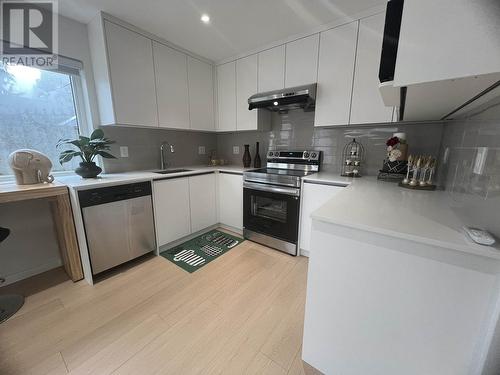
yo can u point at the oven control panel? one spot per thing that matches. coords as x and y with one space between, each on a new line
294 155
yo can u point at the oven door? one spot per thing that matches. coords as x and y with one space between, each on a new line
271 210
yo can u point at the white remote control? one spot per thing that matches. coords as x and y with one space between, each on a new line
480 236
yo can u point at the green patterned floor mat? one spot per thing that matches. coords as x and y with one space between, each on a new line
199 251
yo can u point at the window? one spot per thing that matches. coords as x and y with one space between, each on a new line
37 108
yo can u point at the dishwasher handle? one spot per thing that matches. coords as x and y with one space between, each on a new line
94 197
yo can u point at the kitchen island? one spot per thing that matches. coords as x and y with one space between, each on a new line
394 286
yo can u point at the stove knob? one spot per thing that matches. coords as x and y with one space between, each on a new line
271 154
306 155
313 155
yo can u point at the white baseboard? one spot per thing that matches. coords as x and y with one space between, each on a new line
49 265
231 229
304 253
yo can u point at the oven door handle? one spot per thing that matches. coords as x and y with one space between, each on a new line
272 189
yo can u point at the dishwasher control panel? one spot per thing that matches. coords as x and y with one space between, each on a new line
93 197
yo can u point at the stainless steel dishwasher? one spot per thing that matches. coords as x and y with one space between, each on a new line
119 224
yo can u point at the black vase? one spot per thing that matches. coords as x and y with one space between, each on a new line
256 161
88 170
247 159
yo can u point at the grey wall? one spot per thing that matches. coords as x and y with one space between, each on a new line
144 148
475 192
296 130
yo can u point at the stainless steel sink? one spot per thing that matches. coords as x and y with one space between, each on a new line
168 171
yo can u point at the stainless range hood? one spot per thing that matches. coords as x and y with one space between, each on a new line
285 99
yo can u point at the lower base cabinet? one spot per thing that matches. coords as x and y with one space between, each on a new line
230 200
203 198
172 213
186 205
313 197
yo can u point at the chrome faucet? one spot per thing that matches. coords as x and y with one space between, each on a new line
163 162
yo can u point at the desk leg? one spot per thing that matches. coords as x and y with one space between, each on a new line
66 236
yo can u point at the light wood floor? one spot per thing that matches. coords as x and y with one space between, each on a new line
240 314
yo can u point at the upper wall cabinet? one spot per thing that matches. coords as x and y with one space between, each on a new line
171 87
335 74
201 95
448 57
302 61
143 81
131 75
226 96
367 105
236 82
246 86
447 39
271 69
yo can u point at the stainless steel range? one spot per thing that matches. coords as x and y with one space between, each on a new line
271 198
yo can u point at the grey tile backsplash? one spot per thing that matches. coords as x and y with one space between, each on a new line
470 155
295 130
144 148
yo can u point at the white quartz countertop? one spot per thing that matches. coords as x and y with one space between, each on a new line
78 183
385 208
329 178
366 204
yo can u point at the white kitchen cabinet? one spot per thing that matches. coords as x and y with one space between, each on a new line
203 201
313 197
447 39
172 213
130 62
367 105
302 61
226 96
246 86
337 55
230 199
201 94
171 87
271 69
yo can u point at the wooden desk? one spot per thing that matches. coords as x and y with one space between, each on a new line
62 215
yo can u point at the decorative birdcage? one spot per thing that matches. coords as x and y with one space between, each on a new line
352 159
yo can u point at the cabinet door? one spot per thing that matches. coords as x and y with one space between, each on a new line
335 73
171 87
272 69
313 197
226 96
367 105
202 195
230 200
172 214
246 86
302 61
132 76
201 94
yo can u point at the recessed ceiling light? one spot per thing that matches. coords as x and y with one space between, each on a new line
205 18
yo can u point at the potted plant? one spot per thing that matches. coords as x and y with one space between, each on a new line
87 150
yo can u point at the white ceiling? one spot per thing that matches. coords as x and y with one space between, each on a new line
236 26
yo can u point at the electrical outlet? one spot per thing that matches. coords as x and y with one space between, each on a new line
236 150
124 151
201 150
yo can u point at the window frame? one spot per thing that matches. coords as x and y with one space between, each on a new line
74 69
